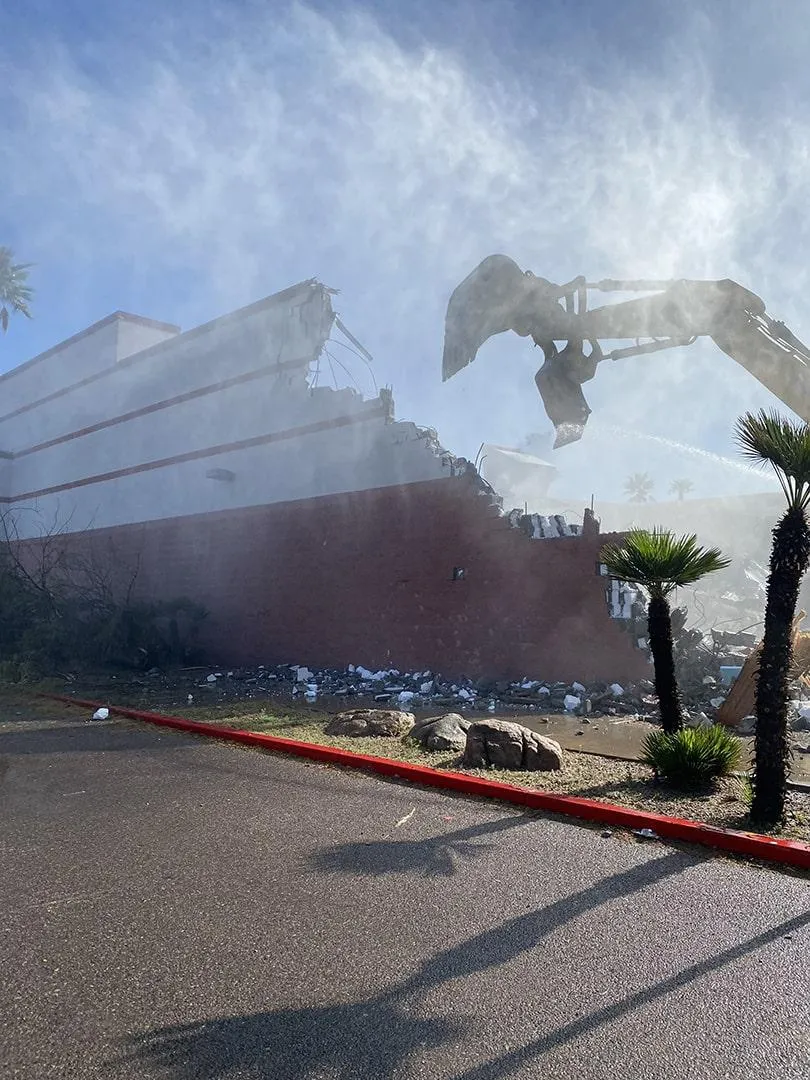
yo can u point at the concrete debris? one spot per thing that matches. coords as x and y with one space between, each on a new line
698 662
539 527
800 719
698 720
101 714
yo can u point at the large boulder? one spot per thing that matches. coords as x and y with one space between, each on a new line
501 744
446 732
371 722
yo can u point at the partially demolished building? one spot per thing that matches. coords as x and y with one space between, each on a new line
313 526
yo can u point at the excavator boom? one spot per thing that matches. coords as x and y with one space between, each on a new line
498 296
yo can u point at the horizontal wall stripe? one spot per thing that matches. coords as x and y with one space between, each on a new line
122 364
221 320
166 403
209 451
148 353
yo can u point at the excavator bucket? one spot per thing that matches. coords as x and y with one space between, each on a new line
499 296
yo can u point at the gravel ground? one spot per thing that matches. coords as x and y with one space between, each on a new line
627 783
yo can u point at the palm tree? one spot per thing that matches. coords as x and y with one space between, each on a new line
661 562
14 290
638 487
769 439
681 488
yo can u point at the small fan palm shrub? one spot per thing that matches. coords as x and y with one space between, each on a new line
661 562
692 757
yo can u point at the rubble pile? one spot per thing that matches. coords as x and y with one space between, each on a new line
706 666
427 690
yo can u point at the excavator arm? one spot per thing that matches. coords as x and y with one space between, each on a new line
499 296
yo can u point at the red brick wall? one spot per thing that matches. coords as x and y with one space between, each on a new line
366 578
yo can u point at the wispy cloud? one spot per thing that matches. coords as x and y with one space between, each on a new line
284 146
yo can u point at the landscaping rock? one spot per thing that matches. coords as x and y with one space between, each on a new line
359 722
446 732
504 745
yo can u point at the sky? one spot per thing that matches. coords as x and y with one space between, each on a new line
179 161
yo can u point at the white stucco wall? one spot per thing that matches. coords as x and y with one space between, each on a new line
311 442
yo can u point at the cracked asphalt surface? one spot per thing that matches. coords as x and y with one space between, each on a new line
176 907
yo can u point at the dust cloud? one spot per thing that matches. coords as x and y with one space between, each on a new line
225 156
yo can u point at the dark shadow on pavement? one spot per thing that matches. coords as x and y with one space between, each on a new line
506 1064
433 856
368 1040
503 943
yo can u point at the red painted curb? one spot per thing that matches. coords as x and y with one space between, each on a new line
750 845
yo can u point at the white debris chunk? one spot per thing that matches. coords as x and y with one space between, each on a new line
571 702
190 698
426 687
101 714
465 694
406 696
303 674
211 678
578 687
616 689
716 702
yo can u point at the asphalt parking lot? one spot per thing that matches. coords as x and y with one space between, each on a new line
178 907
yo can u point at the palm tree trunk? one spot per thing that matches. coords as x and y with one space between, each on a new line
789 559
659 629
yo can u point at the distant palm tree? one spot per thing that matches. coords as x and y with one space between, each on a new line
770 439
661 562
15 293
638 487
681 488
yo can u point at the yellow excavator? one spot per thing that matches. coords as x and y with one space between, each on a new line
499 296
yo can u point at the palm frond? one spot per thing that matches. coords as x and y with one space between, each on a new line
766 438
661 561
14 288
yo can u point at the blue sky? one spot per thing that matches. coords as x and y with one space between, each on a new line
179 165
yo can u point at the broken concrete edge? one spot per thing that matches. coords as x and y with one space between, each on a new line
748 845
